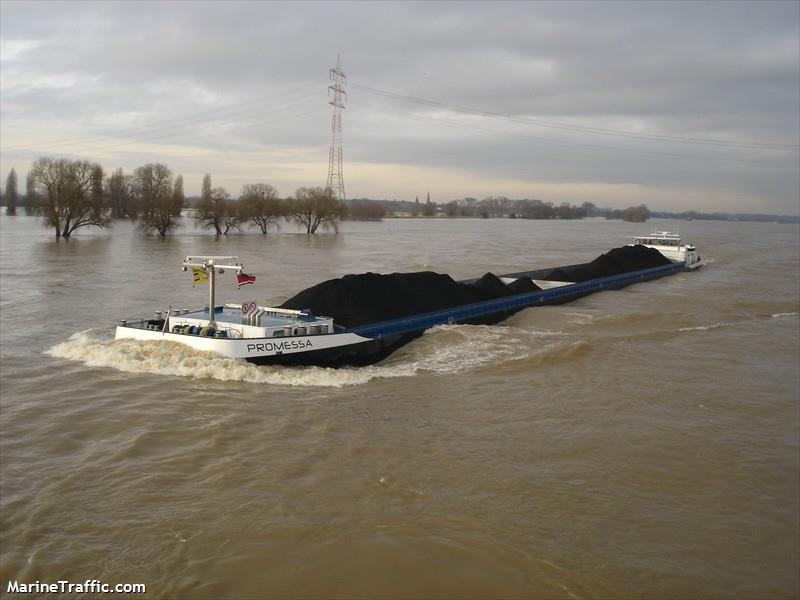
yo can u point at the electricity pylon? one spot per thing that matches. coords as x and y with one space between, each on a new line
338 95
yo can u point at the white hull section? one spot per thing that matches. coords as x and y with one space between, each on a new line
245 348
669 244
674 254
683 254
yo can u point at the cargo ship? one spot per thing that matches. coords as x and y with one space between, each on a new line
361 319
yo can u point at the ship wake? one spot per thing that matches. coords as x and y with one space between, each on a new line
442 350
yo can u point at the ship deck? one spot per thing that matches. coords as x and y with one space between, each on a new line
231 315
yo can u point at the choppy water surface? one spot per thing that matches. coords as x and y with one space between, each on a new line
637 443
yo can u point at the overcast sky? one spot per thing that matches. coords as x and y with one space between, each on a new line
679 105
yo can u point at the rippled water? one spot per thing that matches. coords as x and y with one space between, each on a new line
636 443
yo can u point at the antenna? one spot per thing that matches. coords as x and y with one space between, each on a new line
338 95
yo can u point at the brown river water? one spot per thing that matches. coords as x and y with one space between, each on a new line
640 443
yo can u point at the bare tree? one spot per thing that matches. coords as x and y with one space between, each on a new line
636 214
11 196
232 219
315 207
159 204
588 209
178 197
31 200
215 210
71 194
121 195
206 192
259 204
366 212
451 208
177 192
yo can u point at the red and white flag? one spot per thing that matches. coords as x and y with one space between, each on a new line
244 279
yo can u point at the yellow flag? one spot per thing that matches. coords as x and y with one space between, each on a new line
199 276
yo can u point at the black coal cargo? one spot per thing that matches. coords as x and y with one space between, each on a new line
355 300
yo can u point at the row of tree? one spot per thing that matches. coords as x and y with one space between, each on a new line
11 197
538 209
259 206
633 214
70 194
503 207
73 194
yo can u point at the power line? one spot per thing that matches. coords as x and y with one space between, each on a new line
226 112
107 144
654 153
315 110
159 139
569 127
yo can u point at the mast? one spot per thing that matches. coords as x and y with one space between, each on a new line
210 265
211 290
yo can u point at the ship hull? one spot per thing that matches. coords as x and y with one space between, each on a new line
371 343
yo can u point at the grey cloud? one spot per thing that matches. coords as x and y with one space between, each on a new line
723 70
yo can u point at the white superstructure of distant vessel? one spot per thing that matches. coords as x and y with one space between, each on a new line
671 246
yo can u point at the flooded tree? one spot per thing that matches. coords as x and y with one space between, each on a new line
534 209
121 195
588 209
31 200
366 212
232 219
215 210
635 214
178 196
11 193
159 200
315 207
451 208
70 194
567 211
205 194
259 204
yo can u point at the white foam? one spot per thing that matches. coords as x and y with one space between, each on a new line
702 327
580 318
446 349
786 314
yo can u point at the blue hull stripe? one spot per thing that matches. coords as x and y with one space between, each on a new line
467 312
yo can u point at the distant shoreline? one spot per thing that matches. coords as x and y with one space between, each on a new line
690 216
